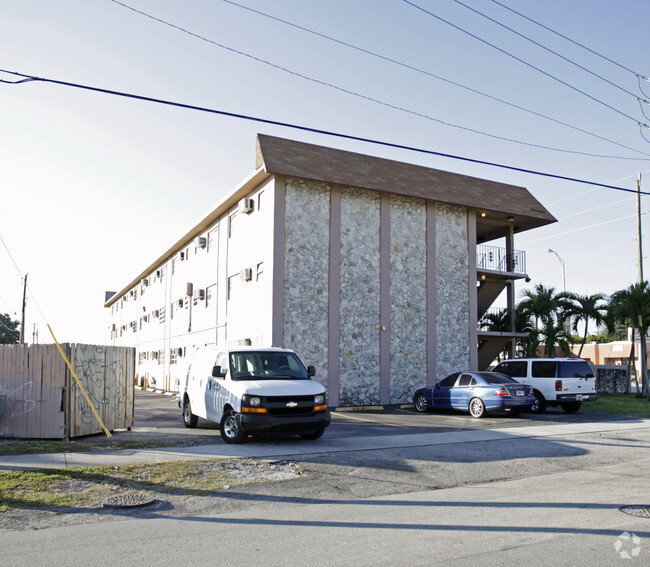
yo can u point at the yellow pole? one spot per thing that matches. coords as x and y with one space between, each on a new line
83 390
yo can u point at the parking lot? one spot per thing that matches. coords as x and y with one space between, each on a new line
157 415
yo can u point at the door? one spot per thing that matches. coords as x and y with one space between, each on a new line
442 391
462 392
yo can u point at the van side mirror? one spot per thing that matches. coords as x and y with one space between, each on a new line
311 370
217 372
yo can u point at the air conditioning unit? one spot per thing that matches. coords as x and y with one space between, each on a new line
145 281
200 242
199 294
246 274
156 313
158 273
180 303
245 206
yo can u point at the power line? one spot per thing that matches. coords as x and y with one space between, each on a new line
427 73
567 38
366 97
30 78
548 49
522 61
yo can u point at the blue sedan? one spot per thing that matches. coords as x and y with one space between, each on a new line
476 392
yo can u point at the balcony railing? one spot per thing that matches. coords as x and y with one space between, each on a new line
498 260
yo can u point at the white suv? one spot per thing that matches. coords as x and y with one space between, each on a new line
566 382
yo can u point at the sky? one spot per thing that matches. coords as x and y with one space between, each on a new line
94 187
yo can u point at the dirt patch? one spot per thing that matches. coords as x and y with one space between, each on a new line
173 501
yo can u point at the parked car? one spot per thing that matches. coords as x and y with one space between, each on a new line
566 382
476 392
250 390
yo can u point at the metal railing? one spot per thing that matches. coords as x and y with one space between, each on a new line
498 260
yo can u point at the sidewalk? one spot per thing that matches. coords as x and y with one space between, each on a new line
282 448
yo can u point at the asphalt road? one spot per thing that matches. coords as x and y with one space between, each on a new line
159 415
386 488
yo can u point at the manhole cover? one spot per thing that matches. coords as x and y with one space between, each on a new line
640 511
129 501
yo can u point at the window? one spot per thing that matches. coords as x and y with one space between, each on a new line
574 369
514 369
210 294
233 286
543 369
465 380
212 239
449 381
259 274
259 200
231 225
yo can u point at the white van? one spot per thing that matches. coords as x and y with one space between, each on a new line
566 382
248 390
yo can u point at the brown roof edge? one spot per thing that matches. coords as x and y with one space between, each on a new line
299 159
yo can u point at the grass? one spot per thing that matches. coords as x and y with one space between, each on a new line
620 404
90 486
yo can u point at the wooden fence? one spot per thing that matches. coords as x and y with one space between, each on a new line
40 399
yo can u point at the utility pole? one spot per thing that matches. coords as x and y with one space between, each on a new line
22 322
638 226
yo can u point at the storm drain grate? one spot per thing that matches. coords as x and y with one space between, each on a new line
129 501
639 511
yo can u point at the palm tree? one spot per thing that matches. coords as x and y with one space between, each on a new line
586 308
632 306
551 309
495 320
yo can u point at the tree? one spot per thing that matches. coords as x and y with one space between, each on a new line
586 308
631 306
550 309
9 335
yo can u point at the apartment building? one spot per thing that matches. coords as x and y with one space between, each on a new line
375 271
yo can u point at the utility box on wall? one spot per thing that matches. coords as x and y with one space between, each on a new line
40 399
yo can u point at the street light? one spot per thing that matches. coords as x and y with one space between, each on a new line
563 269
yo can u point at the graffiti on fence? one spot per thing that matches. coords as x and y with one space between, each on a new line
98 379
18 401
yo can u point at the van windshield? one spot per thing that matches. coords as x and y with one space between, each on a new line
266 365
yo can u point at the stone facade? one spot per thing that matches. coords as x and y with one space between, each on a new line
452 289
612 379
306 279
359 342
408 297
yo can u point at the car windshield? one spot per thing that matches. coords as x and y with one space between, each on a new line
266 365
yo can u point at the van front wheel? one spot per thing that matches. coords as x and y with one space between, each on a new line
189 419
231 431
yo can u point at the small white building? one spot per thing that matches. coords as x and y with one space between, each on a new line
375 271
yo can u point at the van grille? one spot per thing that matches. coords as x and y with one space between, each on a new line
290 405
